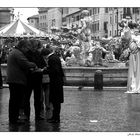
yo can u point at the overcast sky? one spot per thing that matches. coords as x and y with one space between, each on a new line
25 12
69 3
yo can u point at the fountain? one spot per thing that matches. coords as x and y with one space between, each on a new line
87 58
87 52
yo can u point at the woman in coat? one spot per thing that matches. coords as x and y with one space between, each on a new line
56 76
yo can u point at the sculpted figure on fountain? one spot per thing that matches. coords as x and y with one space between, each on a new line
96 51
86 52
85 36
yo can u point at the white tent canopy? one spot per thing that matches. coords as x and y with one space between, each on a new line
19 28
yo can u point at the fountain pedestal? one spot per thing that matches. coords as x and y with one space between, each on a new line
115 75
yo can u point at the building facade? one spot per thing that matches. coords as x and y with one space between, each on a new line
49 18
116 15
105 19
43 18
54 18
6 16
34 21
73 19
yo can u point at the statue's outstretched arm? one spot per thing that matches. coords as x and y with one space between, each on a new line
104 50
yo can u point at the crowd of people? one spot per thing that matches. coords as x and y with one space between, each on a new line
71 50
37 69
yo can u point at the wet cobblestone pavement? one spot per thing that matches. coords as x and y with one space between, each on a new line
86 110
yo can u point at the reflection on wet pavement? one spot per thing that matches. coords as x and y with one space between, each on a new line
83 111
41 126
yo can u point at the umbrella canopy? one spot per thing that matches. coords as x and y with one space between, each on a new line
19 28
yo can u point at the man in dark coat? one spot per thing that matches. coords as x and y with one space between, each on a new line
35 79
56 75
18 68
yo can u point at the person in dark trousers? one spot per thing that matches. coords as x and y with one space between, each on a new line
35 80
56 75
46 106
45 86
18 68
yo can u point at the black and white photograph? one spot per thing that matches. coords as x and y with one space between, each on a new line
70 68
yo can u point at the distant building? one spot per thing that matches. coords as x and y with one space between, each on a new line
50 17
6 16
72 18
105 19
34 21
43 18
54 18
116 15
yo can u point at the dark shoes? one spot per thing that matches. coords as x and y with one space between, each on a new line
13 122
18 122
39 118
23 118
53 120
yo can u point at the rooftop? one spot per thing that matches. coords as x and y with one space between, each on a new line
33 17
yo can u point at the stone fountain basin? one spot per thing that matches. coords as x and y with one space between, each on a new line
113 75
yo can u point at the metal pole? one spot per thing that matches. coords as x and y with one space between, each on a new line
117 21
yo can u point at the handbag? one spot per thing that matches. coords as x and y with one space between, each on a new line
45 78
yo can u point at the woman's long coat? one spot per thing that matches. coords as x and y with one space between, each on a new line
56 75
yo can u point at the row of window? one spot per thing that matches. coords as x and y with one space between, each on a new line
111 34
136 10
44 17
94 11
53 22
95 37
43 24
32 21
116 19
109 9
95 27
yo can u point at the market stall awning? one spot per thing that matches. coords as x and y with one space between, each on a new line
19 28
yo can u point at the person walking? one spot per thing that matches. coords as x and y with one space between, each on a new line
56 76
18 68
